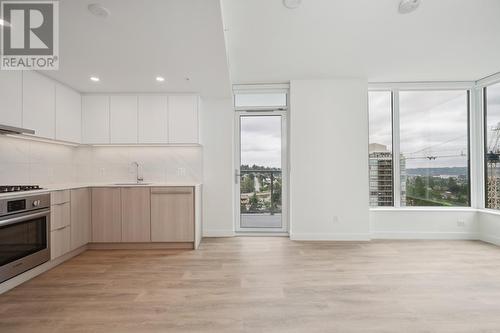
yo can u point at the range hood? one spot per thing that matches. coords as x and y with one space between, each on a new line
5 129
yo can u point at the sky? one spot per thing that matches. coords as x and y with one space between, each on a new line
261 140
432 123
492 112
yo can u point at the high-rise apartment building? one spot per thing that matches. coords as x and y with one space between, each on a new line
381 179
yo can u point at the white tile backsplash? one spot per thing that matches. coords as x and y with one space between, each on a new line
30 162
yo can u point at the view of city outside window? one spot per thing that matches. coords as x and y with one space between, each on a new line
261 178
492 105
434 148
380 148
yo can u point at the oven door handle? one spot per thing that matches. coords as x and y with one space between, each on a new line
24 217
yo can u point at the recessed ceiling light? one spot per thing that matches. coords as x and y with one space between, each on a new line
160 79
94 79
408 6
98 10
291 4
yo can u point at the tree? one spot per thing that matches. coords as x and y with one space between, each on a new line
248 184
254 203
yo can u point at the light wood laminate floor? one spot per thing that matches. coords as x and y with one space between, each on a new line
266 285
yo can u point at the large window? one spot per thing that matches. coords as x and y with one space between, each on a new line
434 148
431 145
380 148
492 145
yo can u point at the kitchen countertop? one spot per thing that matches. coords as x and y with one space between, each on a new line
61 187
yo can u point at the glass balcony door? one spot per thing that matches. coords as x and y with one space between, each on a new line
260 177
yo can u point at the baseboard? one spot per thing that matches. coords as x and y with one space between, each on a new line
28 275
329 237
425 235
490 239
142 246
218 233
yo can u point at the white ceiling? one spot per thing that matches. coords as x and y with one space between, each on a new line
140 40
442 40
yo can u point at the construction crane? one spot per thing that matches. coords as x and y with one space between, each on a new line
492 159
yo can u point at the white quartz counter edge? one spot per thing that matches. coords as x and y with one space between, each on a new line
61 187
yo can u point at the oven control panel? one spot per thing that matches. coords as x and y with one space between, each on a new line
24 204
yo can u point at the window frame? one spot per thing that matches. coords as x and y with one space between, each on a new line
396 88
264 89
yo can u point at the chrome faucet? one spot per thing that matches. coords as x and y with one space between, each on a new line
139 179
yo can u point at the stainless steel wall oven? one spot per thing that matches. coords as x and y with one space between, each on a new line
24 233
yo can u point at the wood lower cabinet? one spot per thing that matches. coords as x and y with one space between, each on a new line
80 217
172 214
136 216
106 215
59 242
60 223
60 216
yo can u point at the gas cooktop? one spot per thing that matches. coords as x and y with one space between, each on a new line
18 188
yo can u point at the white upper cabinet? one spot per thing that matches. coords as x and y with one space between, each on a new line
123 120
68 114
95 118
39 104
183 119
11 98
153 119
143 119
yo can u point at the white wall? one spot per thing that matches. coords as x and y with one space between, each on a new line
329 159
30 162
489 226
217 137
424 224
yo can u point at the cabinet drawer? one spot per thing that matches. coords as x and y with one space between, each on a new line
60 216
59 197
59 242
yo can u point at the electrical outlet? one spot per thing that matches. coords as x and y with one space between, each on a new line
181 172
460 223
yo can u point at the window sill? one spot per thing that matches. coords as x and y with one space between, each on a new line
489 211
424 209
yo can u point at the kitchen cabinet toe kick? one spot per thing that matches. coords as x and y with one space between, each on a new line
142 246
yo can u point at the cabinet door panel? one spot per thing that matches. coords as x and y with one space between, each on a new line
59 242
60 216
11 97
123 119
95 119
106 215
172 214
39 110
153 119
68 114
136 215
183 119
80 217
